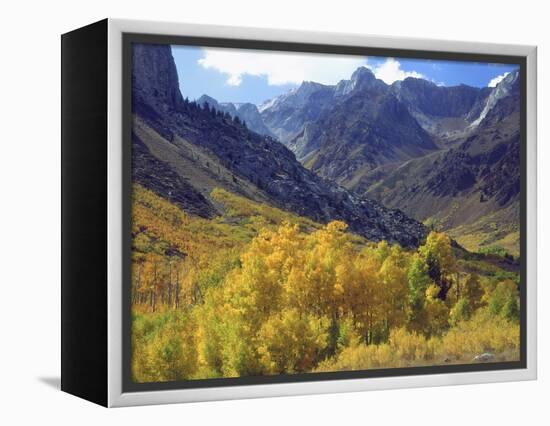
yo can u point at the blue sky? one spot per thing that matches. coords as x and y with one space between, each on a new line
238 75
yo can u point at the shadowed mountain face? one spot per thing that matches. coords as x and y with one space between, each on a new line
438 101
183 145
443 111
473 187
488 153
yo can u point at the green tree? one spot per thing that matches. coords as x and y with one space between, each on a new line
418 282
436 313
504 300
438 255
461 311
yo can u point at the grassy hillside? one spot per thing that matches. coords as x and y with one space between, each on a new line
475 225
499 230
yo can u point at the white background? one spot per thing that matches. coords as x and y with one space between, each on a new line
30 210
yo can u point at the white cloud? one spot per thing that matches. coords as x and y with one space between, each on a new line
293 68
497 79
280 68
391 71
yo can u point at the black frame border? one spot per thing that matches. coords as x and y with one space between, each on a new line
129 38
84 235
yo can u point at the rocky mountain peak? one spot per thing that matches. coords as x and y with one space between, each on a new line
305 90
361 79
308 86
296 97
246 111
362 73
209 100
415 82
247 108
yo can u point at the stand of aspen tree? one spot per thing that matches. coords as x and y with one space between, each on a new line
260 291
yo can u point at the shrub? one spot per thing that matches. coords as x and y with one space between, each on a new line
461 311
164 348
290 343
505 294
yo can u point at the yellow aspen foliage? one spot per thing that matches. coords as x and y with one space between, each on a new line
436 315
393 275
473 291
325 249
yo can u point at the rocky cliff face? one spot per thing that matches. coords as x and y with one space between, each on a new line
225 153
439 101
509 86
155 78
445 112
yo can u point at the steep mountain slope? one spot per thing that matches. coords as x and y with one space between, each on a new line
287 114
247 112
206 150
368 129
152 173
473 187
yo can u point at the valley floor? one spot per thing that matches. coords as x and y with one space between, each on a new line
260 291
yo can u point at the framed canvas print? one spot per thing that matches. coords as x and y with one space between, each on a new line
251 213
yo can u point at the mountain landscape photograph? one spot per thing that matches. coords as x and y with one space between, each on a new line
313 213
